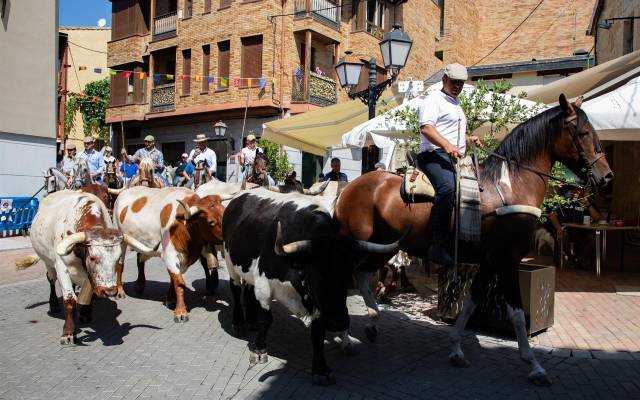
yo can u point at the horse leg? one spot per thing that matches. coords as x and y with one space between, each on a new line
371 329
508 282
480 282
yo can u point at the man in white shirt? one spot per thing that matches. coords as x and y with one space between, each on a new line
202 152
443 140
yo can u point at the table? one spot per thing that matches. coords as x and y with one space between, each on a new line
601 241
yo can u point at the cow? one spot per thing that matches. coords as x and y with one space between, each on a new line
286 247
173 223
74 236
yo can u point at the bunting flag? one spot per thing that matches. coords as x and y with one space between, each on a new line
97 70
142 75
82 68
126 74
169 77
262 83
224 82
184 77
113 72
236 82
211 79
156 78
197 78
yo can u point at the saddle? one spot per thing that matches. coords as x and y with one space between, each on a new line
416 187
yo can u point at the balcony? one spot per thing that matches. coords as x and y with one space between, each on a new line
322 90
325 11
163 97
164 26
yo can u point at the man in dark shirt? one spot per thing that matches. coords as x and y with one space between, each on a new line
335 174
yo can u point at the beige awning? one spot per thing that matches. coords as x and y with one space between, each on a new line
604 77
316 131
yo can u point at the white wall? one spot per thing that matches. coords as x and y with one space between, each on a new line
22 159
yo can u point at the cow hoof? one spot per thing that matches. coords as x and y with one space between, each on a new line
181 318
458 360
372 333
120 294
67 340
539 378
238 331
258 357
324 380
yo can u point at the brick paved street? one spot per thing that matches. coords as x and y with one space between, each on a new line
133 349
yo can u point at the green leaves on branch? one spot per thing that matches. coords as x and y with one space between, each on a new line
278 160
92 104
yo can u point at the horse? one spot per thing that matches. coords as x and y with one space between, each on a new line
81 174
514 181
110 175
54 180
169 174
201 175
146 176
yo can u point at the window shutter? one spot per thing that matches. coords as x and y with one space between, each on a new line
118 89
205 67
207 6
251 60
186 70
225 3
138 86
224 50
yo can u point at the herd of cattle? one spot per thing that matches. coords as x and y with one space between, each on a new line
277 246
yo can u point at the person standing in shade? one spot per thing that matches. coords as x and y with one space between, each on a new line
335 174
203 153
442 124
94 160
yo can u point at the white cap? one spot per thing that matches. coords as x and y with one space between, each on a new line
456 71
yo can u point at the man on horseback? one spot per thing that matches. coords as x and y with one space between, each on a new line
69 161
203 152
150 152
94 160
442 123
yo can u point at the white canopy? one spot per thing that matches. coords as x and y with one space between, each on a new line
616 115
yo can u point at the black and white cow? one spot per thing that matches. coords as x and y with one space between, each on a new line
285 247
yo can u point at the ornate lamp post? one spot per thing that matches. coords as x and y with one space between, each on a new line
220 129
395 48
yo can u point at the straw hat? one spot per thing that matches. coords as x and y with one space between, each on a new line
201 137
251 137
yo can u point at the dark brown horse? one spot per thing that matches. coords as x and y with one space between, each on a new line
370 208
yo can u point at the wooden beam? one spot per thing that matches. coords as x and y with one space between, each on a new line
307 62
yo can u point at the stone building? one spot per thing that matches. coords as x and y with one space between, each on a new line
29 40
616 37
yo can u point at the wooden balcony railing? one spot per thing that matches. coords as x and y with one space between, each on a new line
163 97
323 10
164 25
322 90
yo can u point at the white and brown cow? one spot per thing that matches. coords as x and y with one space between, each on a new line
173 223
74 235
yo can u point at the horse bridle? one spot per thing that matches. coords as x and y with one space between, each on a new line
587 164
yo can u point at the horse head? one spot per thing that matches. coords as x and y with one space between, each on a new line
54 180
81 174
146 172
578 146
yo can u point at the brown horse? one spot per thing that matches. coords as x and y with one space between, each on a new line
146 176
370 208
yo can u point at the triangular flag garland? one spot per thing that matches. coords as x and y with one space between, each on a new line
223 81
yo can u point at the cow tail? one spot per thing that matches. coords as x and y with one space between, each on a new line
26 262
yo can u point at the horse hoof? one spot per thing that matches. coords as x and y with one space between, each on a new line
258 357
120 294
324 380
238 331
458 361
67 340
539 378
181 318
372 333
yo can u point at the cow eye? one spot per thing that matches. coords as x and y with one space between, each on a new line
212 223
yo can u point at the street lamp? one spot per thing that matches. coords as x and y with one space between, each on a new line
220 128
395 47
608 22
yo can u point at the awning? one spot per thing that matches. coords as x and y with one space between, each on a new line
605 75
616 115
315 131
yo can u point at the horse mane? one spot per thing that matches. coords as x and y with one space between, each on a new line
527 140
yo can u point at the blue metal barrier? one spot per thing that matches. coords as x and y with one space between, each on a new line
17 213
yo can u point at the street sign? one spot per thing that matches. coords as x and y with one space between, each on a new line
411 86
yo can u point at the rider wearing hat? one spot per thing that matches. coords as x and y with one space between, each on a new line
184 170
148 151
441 120
248 154
69 161
203 152
94 158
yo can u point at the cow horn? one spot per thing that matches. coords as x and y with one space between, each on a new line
114 192
189 212
66 245
224 197
378 248
137 245
243 186
317 191
274 189
290 248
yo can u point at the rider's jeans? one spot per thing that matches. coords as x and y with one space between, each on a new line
440 169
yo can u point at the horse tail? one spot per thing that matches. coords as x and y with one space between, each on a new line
26 262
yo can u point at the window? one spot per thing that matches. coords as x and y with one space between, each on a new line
225 3
312 64
130 83
439 55
207 6
375 13
127 87
205 67
223 64
186 72
188 8
627 37
251 60
441 5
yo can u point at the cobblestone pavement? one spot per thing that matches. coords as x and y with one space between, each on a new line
133 349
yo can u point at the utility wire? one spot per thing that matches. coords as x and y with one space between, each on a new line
509 35
74 68
86 48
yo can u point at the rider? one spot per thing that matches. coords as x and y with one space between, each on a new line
94 160
248 154
148 151
202 152
184 170
69 161
441 120
107 152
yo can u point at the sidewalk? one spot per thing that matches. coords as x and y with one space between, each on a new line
12 249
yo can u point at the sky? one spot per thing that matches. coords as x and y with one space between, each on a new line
84 12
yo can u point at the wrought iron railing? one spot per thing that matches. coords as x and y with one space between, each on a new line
322 90
164 25
163 97
375 30
324 10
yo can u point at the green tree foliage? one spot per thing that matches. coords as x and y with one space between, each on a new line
278 165
92 104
